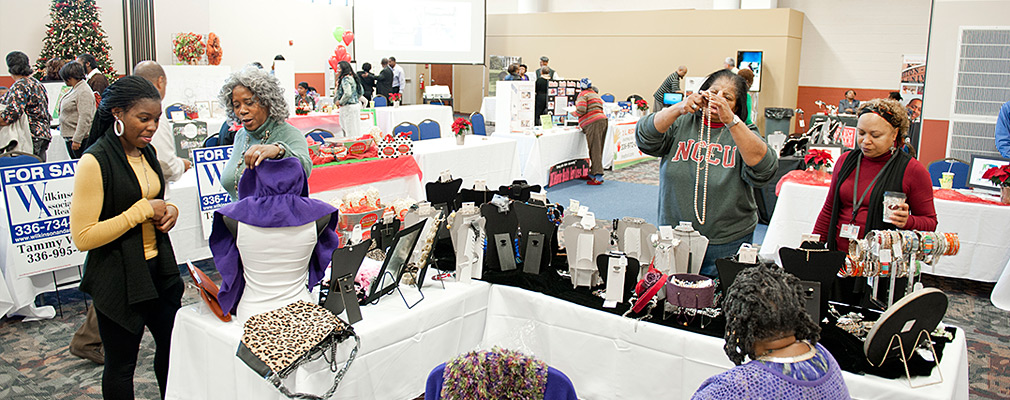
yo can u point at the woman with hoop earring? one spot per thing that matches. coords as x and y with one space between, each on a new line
119 216
709 185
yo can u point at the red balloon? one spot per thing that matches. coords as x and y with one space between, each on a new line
348 37
334 62
341 53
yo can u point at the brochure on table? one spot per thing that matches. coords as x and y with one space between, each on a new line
37 198
561 94
515 105
209 163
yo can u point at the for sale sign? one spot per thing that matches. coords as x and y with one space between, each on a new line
37 198
209 163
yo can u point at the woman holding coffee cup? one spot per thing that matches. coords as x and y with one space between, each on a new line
876 187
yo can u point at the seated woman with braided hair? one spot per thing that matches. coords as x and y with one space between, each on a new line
767 323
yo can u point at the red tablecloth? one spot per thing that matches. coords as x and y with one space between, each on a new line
307 123
817 178
361 173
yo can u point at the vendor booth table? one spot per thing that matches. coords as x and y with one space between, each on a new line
491 158
983 230
389 117
398 349
610 357
604 355
536 155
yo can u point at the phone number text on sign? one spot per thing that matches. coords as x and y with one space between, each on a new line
37 198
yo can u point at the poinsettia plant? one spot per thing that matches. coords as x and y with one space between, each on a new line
188 47
394 97
817 158
461 126
302 109
999 176
642 105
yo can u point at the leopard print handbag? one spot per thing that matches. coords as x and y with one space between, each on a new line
276 343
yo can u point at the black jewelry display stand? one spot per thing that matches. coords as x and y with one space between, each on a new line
500 226
340 294
914 316
728 269
383 233
443 195
817 265
536 236
519 190
477 197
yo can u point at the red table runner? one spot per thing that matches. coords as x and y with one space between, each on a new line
361 173
817 178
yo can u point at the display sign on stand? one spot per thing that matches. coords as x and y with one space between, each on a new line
561 95
189 135
515 102
368 119
626 151
209 163
37 197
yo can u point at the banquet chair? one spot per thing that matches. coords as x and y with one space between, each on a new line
436 103
958 167
319 134
608 97
407 127
12 158
429 129
173 107
558 387
380 100
477 120
211 141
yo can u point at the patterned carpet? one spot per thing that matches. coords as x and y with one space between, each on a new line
35 362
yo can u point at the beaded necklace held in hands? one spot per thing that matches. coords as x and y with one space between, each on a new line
705 133
248 143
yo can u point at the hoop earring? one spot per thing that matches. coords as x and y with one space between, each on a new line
118 127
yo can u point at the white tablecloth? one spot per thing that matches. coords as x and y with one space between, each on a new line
983 230
610 357
492 158
487 108
399 347
538 154
390 117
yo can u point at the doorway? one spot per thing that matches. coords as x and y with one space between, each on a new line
441 74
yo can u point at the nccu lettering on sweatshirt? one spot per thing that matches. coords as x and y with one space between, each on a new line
721 155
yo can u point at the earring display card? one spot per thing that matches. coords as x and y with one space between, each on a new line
506 256
470 251
583 247
691 251
633 237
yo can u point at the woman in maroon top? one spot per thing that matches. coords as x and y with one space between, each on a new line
854 204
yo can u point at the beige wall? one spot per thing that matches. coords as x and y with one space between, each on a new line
24 27
634 51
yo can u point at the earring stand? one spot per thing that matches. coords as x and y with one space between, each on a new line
904 360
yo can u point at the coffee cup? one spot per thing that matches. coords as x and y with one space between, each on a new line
892 203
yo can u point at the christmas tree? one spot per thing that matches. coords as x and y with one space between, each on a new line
75 29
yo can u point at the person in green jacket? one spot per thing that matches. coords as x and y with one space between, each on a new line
710 161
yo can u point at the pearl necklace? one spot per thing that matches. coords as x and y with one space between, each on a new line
705 134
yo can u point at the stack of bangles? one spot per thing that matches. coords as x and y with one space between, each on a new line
907 248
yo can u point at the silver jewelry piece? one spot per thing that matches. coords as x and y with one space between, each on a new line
118 127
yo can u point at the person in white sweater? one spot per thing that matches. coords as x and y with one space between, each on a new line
171 164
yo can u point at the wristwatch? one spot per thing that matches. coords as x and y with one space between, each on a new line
736 120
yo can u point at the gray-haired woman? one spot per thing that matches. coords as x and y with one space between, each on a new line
255 99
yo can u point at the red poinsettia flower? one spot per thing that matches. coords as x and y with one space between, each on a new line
817 157
460 126
1000 176
642 105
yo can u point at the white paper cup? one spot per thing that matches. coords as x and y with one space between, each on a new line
947 180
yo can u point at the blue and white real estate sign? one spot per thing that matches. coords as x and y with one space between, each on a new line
37 198
209 163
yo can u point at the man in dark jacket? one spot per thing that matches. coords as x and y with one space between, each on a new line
384 83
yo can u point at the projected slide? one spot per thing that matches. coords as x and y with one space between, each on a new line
420 31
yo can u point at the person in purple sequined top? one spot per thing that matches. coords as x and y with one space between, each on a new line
766 322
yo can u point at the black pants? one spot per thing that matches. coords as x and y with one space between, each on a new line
396 89
74 154
39 148
122 346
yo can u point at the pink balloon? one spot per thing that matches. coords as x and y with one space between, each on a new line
348 37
